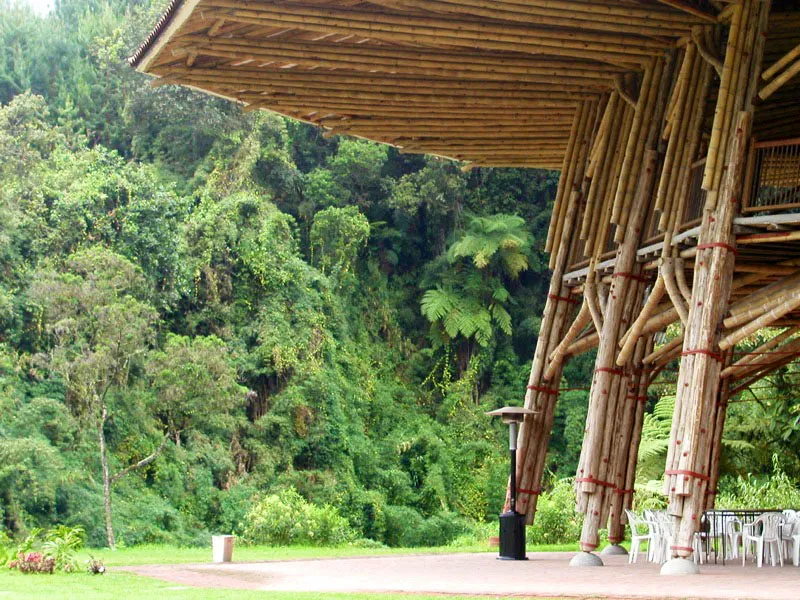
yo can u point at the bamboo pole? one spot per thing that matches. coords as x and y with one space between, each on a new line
557 355
750 361
700 367
635 332
607 375
784 307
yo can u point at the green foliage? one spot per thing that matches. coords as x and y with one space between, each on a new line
774 491
336 237
286 519
194 381
499 239
406 528
46 551
229 302
655 439
556 519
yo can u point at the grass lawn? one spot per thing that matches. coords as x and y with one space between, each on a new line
119 585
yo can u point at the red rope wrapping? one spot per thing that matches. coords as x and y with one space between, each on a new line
692 474
607 370
530 492
633 276
637 398
711 492
593 480
536 388
714 355
727 247
623 492
687 548
562 299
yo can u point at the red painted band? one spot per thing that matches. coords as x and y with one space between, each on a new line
562 299
593 480
536 388
717 245
692 474
607 370
713 355
633 276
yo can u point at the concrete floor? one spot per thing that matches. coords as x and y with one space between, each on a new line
545 574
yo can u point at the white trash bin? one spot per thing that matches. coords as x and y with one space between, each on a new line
222 548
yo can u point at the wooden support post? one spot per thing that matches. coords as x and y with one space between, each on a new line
691 443
594 486
688 468
715 451
542 394
629 434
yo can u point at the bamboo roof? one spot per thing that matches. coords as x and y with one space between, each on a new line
492 82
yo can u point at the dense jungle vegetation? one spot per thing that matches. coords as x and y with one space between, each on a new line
207 316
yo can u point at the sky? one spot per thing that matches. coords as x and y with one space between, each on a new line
41 6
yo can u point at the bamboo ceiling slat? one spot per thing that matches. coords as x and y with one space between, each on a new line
494 82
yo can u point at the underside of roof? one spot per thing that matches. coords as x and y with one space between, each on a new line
492 82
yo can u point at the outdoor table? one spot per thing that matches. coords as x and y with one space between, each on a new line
712 520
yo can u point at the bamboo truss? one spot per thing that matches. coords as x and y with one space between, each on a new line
647 109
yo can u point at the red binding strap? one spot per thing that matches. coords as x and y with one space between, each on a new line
536 388
593 480
727 247
714 355
607 370
530 492
562 299
633 276
692 474
687 548
623 492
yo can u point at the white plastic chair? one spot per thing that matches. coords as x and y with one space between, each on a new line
796 550
734 529
637 535
790 527
666 526
769 537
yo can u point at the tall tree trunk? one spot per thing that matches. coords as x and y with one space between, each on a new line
101 439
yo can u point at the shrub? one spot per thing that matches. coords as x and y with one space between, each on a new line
406 528
776 491
54 550
33 562
556 521
288 519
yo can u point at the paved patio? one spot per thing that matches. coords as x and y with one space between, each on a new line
545 574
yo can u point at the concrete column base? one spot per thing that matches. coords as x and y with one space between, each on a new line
586 559
614 550
680 566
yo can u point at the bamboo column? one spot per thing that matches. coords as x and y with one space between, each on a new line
715 451
629 434
691 446
687 469
542 393
594 485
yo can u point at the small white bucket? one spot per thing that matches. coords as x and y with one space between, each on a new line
222 548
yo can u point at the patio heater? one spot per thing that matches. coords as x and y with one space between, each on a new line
512 524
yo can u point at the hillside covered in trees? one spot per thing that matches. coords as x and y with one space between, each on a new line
200 307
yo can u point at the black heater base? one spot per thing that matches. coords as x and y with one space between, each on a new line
512 536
